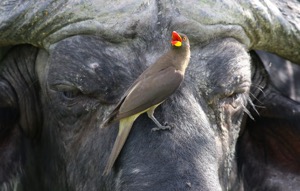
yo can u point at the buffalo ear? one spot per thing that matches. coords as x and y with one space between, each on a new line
19 72
269 146
20 112
272 93
9 112
10 137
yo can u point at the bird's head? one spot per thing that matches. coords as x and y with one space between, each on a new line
179 40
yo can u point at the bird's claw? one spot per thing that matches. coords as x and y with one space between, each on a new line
162 127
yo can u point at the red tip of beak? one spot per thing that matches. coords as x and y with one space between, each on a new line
176 36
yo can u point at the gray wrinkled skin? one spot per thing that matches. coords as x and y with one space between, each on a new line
81 56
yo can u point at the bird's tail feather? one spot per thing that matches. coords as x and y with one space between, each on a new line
124 130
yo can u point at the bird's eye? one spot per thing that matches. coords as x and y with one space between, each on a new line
184 38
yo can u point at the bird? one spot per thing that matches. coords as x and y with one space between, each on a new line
148 91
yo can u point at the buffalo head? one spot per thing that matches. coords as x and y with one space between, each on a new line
79 58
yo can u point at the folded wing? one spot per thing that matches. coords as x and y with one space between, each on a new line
150 91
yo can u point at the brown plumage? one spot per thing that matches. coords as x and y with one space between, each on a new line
148 91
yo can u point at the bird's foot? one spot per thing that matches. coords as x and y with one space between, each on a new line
162 127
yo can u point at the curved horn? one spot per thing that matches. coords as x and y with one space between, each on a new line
259 24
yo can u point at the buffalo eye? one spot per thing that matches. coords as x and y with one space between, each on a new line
234 99
71 94
68 92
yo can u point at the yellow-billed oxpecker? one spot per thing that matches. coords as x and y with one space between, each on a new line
148 91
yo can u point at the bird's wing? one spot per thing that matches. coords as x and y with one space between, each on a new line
112 116
150 91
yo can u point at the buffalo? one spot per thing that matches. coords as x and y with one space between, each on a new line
64 65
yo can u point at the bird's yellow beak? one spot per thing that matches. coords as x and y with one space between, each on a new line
176 39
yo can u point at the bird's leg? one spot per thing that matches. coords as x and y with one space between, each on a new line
150 113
